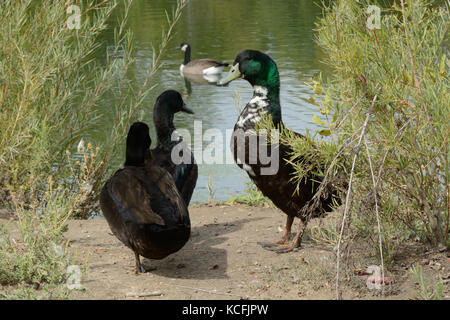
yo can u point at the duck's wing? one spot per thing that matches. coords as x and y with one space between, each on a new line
207 63
184 175
165 184
162 156
185 179
129 193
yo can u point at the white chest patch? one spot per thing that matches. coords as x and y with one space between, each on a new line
246 167
252 117
261 90
256 106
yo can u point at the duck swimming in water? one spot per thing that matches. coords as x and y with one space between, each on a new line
275 183
142 205
201 66
184 173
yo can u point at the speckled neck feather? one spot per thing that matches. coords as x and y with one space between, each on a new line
266 99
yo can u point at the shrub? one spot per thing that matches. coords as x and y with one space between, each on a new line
50 87
384 132
389 90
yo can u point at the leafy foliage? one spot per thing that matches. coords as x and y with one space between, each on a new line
50 87
396 77
383 134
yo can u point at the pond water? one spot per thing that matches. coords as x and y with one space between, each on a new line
284 29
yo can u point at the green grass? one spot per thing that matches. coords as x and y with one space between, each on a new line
24 292
253 197
429 289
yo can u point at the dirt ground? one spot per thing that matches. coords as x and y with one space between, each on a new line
222 260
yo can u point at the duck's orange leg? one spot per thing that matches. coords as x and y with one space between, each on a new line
284 239
140 268
296 243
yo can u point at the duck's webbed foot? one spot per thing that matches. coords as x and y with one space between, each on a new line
271 245
142 268
294 245
284 239
285 248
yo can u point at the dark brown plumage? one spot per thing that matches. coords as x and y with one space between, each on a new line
185 174
142 205
276 184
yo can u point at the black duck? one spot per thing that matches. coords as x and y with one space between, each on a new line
142 205
185 173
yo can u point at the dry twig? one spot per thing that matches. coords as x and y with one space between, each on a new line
376 211
357 148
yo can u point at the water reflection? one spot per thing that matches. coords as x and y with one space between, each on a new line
201 78
220 29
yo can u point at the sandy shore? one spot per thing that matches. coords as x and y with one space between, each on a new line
222 260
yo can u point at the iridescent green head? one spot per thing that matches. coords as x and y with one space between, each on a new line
255 67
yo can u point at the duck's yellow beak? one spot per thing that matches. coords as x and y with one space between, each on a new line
232 75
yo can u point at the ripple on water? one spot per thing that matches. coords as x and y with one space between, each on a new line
219 30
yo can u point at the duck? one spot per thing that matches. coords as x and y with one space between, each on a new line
142 205
275 182
205 67
185 174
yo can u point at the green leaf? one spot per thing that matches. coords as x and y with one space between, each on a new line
335 115
324 132
324 111
442 66
313 101
317 88
317 120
